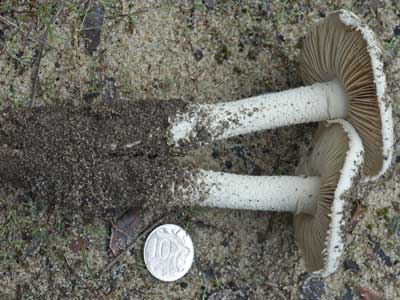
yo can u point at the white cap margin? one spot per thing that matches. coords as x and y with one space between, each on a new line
375 52
351 167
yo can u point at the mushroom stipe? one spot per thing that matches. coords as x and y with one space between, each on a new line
341 62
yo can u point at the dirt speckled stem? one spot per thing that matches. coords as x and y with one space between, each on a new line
269 193
208 122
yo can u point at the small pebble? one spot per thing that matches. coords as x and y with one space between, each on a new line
351 265
396 30
210 3
228 164
198 55
313 288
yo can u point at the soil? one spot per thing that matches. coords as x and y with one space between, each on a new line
99 157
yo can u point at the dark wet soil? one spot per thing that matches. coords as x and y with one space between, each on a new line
97 158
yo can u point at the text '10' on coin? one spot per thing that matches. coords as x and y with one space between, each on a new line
168 252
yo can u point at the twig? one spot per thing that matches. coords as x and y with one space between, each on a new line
42 43
8 22
87 4
133 13
18 12
130 246
273 286
43 39
25 33
102 295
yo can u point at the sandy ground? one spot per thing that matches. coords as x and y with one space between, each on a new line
201 51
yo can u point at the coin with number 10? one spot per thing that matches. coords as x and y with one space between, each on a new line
168 252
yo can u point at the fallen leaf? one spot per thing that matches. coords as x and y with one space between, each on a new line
367 294
358 211
126 230
92 24
356 215
79 244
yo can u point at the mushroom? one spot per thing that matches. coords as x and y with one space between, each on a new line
315 196
341 63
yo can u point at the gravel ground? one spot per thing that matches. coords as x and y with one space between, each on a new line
81 53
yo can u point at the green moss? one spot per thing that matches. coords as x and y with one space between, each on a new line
216 283
237 70
93 231
390 44
222 54
203 293
382 212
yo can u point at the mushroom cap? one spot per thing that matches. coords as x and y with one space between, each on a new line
336 158
341 47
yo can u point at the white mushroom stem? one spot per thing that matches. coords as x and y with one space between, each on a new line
269 193
317 102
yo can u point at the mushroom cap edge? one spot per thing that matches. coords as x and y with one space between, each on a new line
351 167
385 106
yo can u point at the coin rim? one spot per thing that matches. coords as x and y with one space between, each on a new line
145 260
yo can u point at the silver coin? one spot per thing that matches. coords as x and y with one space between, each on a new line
168 252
